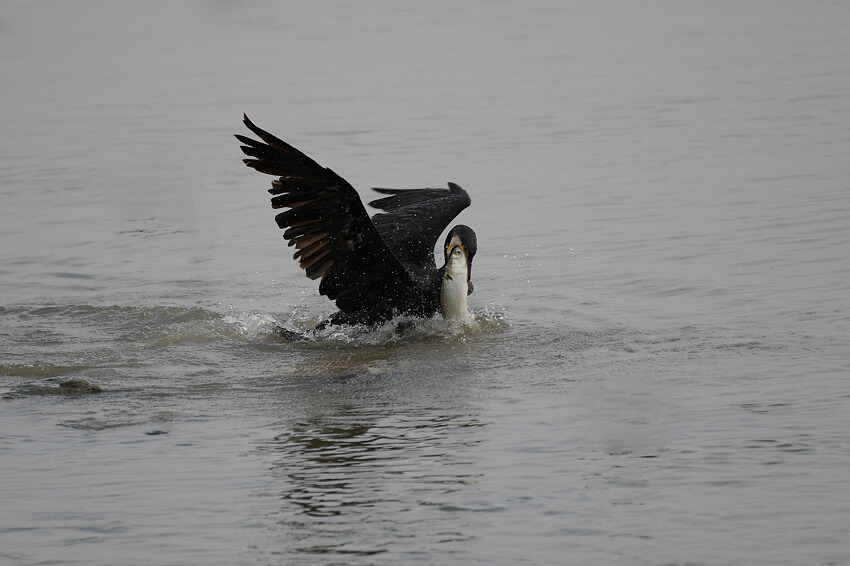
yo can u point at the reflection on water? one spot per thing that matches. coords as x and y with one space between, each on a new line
359 482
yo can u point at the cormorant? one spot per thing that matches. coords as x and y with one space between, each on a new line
373 268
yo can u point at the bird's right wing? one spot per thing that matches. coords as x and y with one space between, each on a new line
328 225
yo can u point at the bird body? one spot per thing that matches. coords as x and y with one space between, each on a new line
372 268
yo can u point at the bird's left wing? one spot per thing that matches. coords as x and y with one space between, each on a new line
413 219
327 223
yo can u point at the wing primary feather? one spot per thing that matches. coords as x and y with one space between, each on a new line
301 231
305 241
307 251
317 268
279 202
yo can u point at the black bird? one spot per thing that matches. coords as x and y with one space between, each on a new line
373 268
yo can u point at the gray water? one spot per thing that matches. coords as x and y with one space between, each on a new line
660 376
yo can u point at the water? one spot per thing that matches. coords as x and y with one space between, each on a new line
660 193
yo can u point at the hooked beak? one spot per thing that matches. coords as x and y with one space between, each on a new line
462 248
456 242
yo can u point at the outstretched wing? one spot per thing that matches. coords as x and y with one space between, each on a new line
329 227
413 220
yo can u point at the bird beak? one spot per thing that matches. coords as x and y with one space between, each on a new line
457 243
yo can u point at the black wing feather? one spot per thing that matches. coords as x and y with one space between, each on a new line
413 220
327 223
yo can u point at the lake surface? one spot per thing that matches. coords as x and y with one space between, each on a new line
661 193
